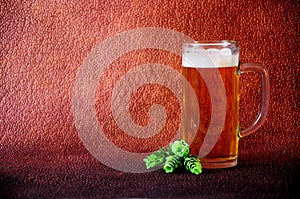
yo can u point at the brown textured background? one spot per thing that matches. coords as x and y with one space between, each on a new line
43 44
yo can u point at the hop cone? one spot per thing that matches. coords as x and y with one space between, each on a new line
179 148
156 159
172 162
192 163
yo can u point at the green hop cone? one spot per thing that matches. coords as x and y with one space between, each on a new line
179 148
172 162
156 159
192 164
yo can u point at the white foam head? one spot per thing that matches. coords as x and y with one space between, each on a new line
196 56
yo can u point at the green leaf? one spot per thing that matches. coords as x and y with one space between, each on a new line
156 159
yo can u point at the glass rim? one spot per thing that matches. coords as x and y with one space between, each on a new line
223 43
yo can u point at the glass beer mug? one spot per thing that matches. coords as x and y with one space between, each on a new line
210 113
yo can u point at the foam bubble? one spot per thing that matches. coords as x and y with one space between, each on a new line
209 58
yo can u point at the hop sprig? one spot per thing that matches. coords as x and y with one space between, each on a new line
176 156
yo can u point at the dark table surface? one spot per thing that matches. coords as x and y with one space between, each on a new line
81 176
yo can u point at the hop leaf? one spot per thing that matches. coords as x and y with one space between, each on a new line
192 163
156 159
179 148
172 162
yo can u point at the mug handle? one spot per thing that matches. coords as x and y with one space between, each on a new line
265 95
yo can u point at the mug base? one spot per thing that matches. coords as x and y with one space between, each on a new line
218 163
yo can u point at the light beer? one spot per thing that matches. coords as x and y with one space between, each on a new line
227 145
